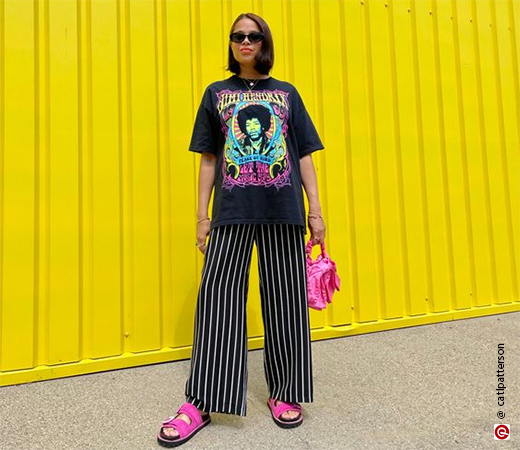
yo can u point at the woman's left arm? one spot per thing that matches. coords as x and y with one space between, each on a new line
316 225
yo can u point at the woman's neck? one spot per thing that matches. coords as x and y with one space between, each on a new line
250 73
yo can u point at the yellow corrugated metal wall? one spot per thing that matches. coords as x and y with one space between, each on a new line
417 103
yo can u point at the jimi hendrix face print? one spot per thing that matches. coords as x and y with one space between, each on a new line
255 128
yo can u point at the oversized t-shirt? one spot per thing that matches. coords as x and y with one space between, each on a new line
258 137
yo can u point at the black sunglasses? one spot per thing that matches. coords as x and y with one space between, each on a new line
254 37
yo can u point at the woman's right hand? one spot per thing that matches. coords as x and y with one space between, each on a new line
203 229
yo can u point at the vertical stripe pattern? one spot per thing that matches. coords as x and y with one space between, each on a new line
218 373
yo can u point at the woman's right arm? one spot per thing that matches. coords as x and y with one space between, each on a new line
206 182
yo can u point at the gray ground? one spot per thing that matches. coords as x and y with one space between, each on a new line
425 387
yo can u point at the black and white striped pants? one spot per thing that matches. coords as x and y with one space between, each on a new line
218 374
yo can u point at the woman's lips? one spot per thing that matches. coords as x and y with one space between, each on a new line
246 50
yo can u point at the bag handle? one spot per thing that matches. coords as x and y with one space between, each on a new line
308 250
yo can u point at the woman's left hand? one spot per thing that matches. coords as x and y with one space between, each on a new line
317 227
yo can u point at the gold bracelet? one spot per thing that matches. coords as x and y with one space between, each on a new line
314 215
200 220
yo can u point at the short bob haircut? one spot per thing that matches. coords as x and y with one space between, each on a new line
265 58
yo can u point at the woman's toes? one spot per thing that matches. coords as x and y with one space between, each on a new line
170 432
290 415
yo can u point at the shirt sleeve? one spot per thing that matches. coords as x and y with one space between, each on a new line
307 138
204 135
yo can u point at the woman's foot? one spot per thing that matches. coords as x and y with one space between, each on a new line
172 432
288 414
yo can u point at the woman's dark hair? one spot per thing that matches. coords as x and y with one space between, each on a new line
265 58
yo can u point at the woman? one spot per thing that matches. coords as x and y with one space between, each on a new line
255 138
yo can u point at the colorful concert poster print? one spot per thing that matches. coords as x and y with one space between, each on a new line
255 128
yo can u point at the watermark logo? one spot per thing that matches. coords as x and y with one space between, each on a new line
501 432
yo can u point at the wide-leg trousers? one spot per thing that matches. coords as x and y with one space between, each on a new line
218 375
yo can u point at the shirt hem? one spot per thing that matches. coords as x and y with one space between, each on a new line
256 221
310 150
202 151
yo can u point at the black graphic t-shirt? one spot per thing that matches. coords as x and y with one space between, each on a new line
258 137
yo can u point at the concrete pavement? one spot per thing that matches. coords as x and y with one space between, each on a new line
426 387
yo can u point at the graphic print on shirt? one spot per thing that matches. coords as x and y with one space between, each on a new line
255 126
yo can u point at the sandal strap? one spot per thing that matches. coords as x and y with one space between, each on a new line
192 412
179 425
182 427
282 407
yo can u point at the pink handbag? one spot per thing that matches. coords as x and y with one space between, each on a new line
322 278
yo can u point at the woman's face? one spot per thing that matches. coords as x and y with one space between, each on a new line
245 52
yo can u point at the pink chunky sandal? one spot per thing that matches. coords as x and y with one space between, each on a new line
278 410
186 431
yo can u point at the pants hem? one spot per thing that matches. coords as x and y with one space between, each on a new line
201 405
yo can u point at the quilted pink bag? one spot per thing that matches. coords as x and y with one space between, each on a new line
322 278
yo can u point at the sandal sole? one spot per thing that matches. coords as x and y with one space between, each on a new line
176 442
283 423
